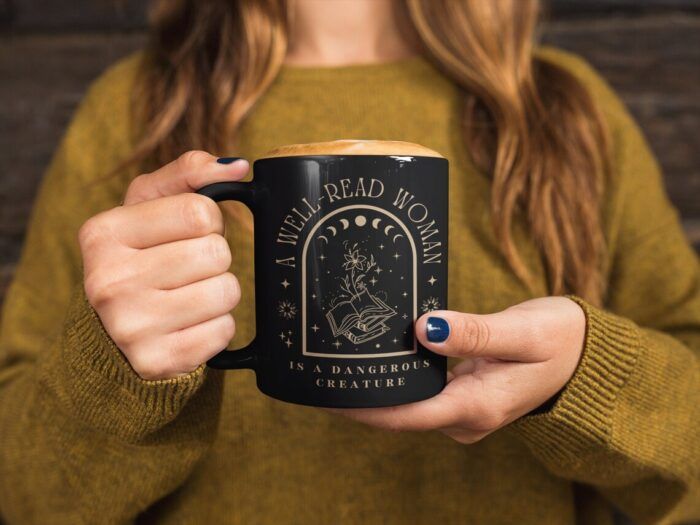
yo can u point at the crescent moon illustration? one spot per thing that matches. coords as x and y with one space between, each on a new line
323 237
397 236
345 223
375 223
332 229
386 230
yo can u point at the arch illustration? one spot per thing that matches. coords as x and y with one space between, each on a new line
414 278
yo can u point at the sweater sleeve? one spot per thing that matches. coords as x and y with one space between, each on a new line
83 439
628 422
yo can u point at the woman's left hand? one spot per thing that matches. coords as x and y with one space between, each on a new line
512 362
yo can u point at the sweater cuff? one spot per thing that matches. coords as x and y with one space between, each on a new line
581 418
102 388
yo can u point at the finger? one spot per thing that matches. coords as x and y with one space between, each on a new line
191 347
464 436
499 392
442 410
174 218
508 335
181 352
467 402
188 173
197 302
466 366
187 261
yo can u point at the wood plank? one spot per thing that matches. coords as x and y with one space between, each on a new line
564 8
91 15
654 63
6 272
568 8
692 230
81 15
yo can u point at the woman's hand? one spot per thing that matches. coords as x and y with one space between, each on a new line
512 362
156 268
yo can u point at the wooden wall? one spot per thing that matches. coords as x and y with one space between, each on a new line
51 50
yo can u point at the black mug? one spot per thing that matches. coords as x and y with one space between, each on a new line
350 249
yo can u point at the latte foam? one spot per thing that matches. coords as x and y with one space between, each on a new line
353 147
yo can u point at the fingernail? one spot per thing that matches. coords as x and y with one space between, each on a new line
437 329
228 160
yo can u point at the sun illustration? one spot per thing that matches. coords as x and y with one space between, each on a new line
287 309
430 304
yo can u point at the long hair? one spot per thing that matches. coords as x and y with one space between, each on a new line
527 124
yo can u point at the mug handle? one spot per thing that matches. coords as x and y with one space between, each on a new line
244 192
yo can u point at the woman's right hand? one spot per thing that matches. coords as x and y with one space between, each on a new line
156 268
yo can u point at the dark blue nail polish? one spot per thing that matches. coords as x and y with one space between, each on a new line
227 160
437 329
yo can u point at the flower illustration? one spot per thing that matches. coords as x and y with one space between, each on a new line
430 304
356 313
287 309
353 260
357 266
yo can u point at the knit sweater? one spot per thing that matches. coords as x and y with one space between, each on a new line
83 439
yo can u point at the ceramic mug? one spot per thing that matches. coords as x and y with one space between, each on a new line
350 249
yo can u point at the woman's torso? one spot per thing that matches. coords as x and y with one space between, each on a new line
279 463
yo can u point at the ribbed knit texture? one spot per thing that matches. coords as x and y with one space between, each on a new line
83 439
582 416
93 363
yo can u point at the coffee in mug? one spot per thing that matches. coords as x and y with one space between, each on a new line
350 249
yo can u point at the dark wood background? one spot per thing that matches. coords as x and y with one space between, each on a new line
50 50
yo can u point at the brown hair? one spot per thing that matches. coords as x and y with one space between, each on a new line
528 124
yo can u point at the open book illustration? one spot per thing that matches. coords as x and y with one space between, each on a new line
359 315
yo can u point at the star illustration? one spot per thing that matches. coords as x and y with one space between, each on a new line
282 336
313 296
396 256
322 257
315 328
337 343
381 246
404 316
404 294
394 340
378 270
288 343
285 283
432 280
373 280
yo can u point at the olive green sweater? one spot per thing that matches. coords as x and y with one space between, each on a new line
84 440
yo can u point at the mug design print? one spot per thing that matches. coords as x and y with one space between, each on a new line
358 267
356 304
360 315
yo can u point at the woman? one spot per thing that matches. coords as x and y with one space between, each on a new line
559 408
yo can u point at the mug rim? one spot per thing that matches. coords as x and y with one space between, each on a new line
354 148
398 158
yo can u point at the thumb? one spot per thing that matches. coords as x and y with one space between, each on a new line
188 173
506 335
